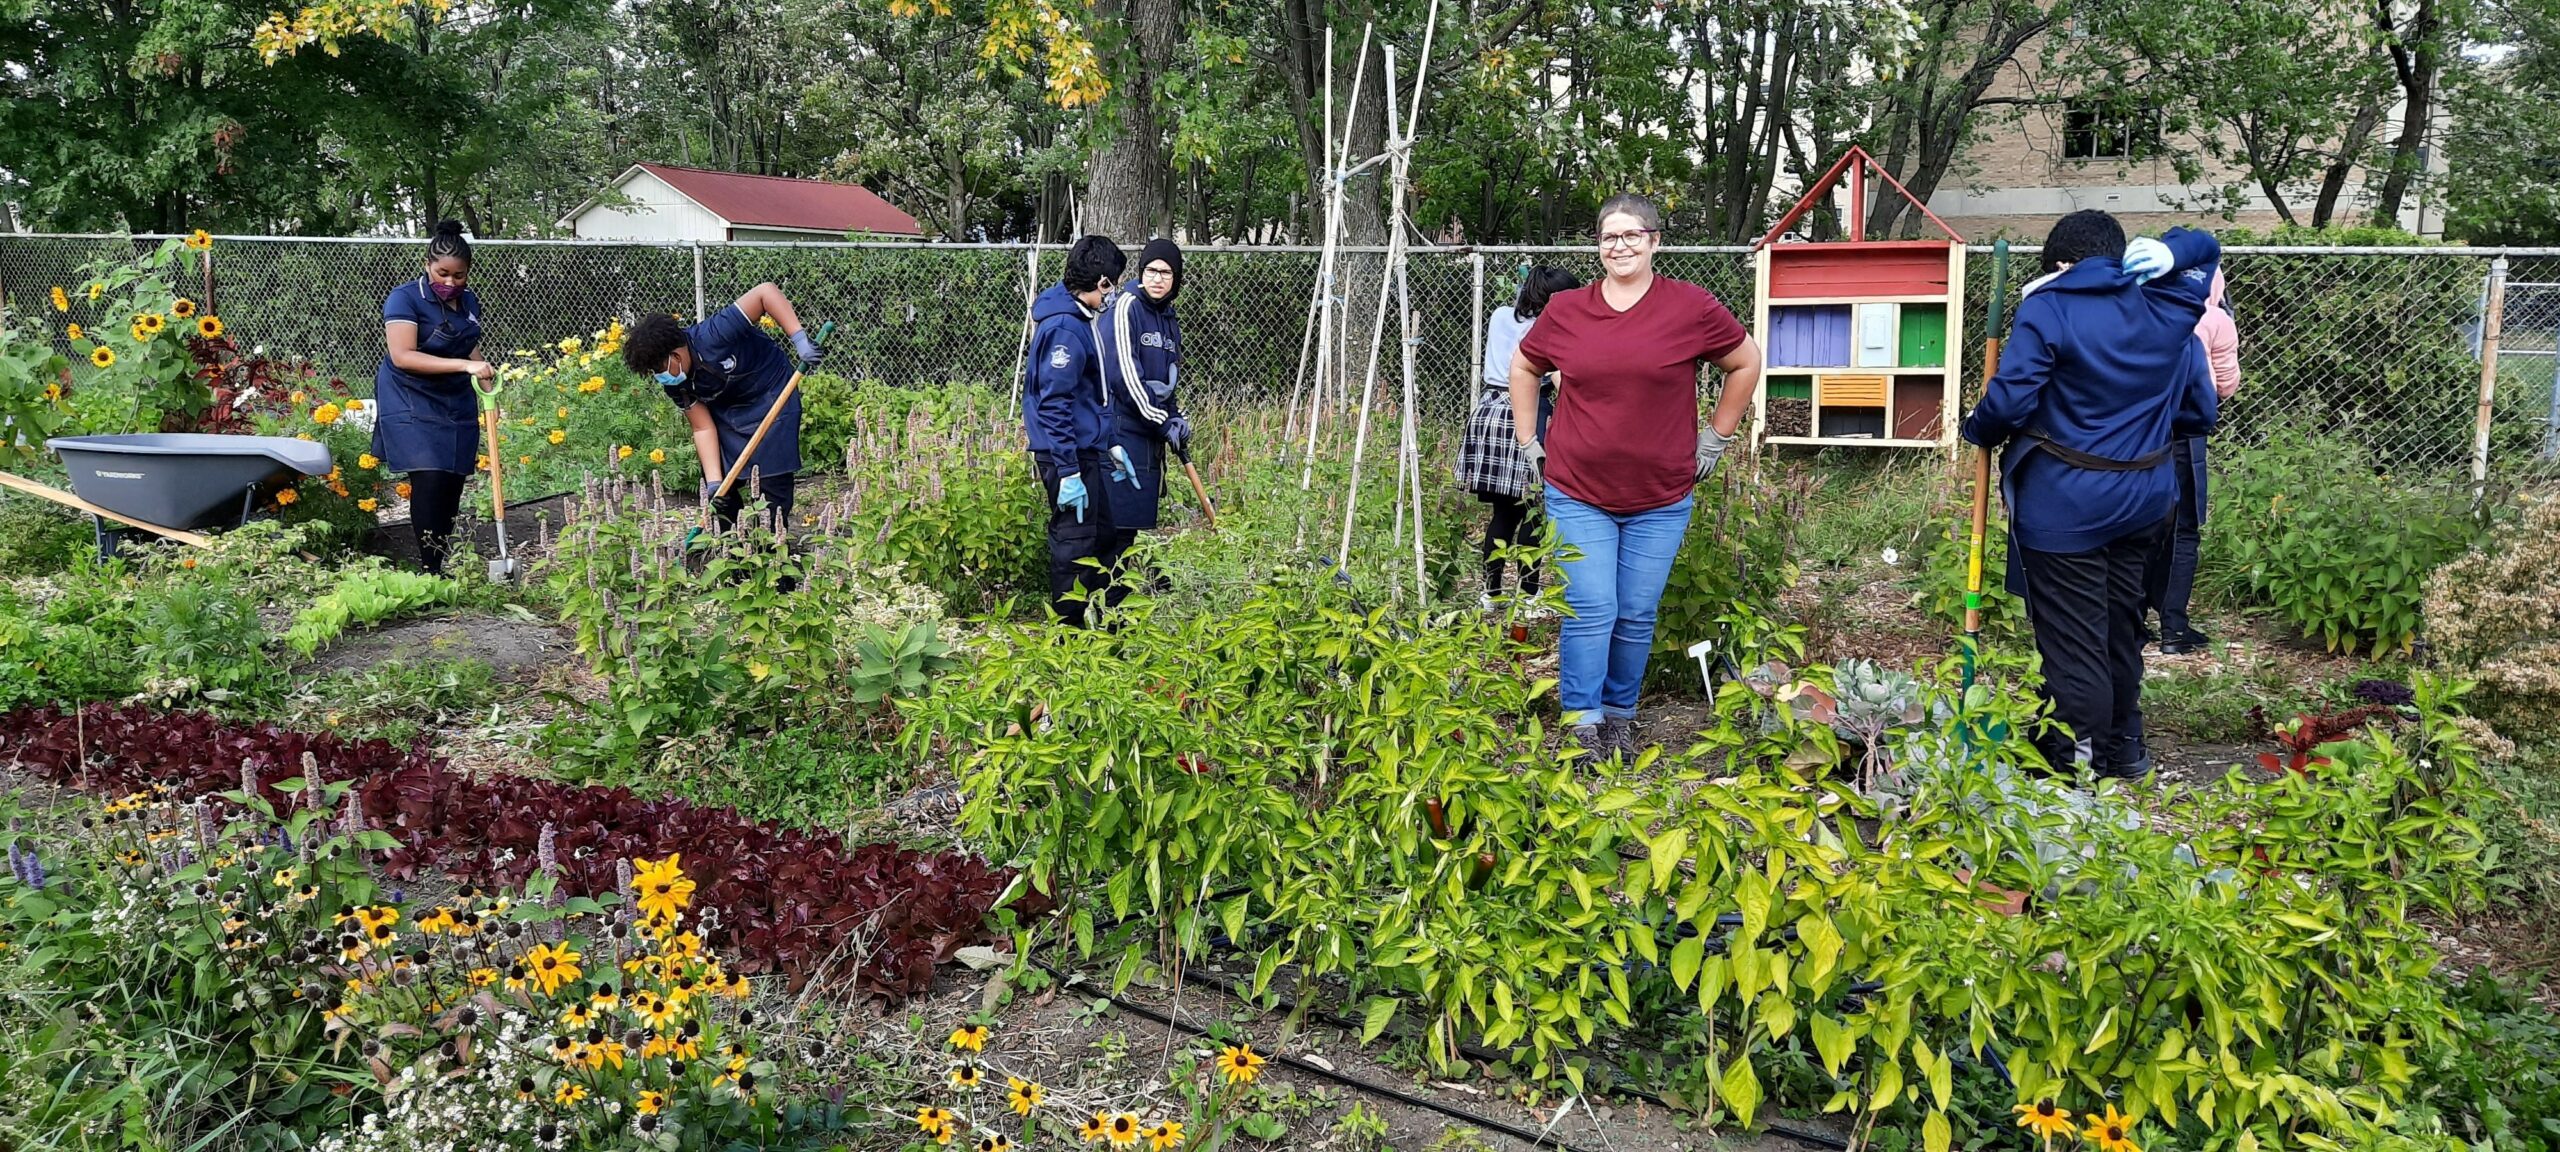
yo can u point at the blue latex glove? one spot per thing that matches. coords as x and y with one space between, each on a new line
1177 433
807 349
1071 495
1121 469
2146 259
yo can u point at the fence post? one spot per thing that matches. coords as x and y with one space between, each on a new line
1475 311
2492 318
211 307
700 310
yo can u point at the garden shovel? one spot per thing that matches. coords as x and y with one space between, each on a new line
503 569
1207 511
738 467
1982 471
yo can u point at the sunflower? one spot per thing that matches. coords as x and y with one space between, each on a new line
1094 1129
649 1102
61 302
182 308
103 356
1165 1136
325 414
970 1038
1123 1130
209 327
73 332
1240 1064
96 290
1022 1095
663 887
199 240
140 334
2044 1118
2110 1133
151 322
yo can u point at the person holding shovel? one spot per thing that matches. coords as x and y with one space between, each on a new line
725 375
426 420
1067 417
1139 341
2101 375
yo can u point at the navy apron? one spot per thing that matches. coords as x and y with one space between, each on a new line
429 423
1140 507
737 373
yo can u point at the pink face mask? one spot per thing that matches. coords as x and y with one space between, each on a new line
444 291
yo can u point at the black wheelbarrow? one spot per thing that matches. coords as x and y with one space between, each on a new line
170 483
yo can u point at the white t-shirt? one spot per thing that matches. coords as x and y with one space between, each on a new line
1502 336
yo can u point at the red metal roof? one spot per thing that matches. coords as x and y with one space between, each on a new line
779 202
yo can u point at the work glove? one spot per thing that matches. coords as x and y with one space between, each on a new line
805 348
1071 494
2146 259
709 487
1177 434
1121 468
1534 455
1711 445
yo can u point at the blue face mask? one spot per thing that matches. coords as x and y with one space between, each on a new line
669 379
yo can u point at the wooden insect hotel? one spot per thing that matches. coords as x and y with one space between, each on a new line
1862 337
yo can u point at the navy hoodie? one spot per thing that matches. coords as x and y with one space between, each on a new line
1140 341
1064 408
2106 366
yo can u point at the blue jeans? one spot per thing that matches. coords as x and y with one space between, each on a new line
1613 587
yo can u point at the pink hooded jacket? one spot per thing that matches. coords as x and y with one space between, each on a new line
2221 341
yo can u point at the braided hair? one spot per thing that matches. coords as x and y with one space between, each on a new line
448 241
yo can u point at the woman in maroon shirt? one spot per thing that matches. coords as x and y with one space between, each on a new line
1623 453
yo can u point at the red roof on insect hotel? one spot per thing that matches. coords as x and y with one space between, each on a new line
748 201
1857 166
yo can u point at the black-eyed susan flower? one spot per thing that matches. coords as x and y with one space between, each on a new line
182 308
970 1037
569 1094
550 966
968 1077
482 977
209 327
606 998
1240 1064
199 240
1165 1136
103 356
130 858
578 1016
649 1102
2044 1118
1095 1129
1123 1129
995 1142
1022 1095
525 1088
2112 1132
933 1121
662 887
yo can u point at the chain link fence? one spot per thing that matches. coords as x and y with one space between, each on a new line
2382 346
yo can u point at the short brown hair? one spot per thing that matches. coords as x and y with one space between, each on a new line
1633 205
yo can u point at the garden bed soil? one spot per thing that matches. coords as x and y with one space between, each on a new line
1057 1039
510 645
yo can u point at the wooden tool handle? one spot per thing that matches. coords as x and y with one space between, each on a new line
738 467
58 496
1207 511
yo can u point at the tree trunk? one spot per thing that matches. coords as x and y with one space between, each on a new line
2417 58
1934 124
1126 186
2333 183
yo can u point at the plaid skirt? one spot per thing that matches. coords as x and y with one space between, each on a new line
1490 462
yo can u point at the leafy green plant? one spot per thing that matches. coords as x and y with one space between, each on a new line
38 538
1725 583
137 342
2342 552
1946 568
32 406
365 594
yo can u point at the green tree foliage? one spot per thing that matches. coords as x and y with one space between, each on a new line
2503 149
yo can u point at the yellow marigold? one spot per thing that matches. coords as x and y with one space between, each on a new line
563 413
624 452
325 414
182 308
296 396
569 345
287 496
367 504
366 460
61 302
200 240
402 488
103 356
591 384
526 458
657 455
209 327
355 405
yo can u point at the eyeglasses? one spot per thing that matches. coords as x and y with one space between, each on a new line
1156 273
1633 239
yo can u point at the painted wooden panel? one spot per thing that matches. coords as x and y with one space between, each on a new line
1875 335
1818 270
1809 337
1917 402
1791 387
1844 390
1924 336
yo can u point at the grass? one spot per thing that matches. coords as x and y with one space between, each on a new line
2213 704
396 700
1863 502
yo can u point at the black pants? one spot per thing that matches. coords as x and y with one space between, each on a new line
1074 540
779 492
2172 579
434 499
1515 524
2087 612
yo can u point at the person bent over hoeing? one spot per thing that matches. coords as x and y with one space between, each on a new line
725 375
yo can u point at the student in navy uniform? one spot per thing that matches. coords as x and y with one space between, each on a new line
2101 374
1140 343
1067 417
426 421
725 374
